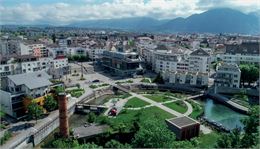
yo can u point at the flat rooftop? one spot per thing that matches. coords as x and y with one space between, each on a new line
92 130
181 122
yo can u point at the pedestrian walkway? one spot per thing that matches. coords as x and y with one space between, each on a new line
118 104
203 128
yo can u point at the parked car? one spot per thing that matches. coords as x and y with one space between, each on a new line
113 112
95 81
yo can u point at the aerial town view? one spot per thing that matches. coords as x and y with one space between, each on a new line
129 74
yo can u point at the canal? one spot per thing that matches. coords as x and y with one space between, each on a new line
221 114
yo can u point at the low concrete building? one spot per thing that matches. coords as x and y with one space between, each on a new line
184 127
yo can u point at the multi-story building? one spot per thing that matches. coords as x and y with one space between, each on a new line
227 75
19 86
18 64
122 63
184 68
74 50
95 52
246 52
62 42
199 61
10 46
188 78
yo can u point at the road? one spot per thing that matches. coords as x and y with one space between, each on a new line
24 133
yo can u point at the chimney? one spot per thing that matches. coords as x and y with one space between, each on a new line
63 115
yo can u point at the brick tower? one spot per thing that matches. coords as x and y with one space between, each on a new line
63 115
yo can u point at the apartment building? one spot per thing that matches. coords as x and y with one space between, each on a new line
95 52
19 86
246 52
188 78
19 64
74 50
190 69
9 46
199 61
228 75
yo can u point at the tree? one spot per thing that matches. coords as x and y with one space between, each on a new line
91 117
49 103
253 74
2 114
153 134
78 85
34 111
232 140
53 37
224 141
116 144
158 79
251 123
59 89
235 138
185 144
71 143
249 73
248 139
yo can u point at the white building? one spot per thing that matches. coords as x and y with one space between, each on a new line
76 51
34 84
199 61
28 63
94 53
190 69
246 52
188 78
228 75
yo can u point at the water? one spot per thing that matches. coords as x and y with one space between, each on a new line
223 115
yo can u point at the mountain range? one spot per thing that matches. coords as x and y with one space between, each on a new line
221 20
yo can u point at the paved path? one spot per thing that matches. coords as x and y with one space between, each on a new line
118 105
228 101
203 128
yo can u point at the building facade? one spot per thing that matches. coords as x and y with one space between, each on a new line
228 75
122 63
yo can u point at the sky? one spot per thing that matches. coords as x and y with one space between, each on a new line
61 12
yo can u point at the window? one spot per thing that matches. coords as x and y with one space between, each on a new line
6 68
235 76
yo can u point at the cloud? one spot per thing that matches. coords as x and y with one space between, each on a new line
66 12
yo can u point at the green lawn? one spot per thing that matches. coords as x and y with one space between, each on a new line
128 117
135 103
177 95
76 92
178 106
123 95
197 109
2 114
146 80
158 97
208 140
